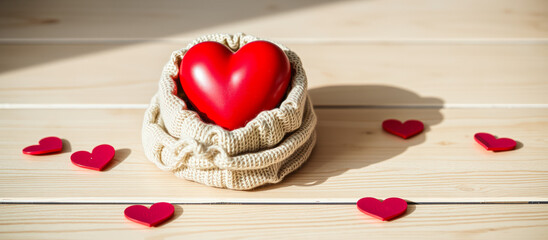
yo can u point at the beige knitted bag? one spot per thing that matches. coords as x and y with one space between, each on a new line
265 150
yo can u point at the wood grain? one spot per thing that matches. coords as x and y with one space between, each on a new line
355 75
276 222
353 158
362 59
287 19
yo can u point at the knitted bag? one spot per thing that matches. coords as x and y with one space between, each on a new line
265 150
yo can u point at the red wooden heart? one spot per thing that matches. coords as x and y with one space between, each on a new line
490 142
385 210
45 145
96 160
230 89
406 130
158 213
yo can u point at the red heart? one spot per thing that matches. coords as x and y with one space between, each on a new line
406 130
46 145
158 213
230 89
385 210
96 160
490 142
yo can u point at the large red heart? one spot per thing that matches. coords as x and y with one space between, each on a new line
230 89
405 130
158 213
96 160
385 210
489 142
45 145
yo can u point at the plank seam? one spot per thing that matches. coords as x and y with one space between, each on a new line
271 203
311 41
445 106
144 106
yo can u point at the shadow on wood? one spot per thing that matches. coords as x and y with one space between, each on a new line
352 137
66 146
86 27
119 156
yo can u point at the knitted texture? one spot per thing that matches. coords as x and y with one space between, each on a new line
265 150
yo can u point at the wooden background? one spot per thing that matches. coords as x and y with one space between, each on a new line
85 71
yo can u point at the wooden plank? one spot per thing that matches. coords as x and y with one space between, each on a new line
353 158
393 74
306 19
275 222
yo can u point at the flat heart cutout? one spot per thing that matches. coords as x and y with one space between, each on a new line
405 130
230 89
45 145
385 210
491 143
96 160
158 213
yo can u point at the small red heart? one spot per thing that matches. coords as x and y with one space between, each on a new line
46 145
96 160
230 89
406 130
385 210
158 213
490 142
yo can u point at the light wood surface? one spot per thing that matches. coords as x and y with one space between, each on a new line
311 20
85 70
276 222
354 74
353 157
